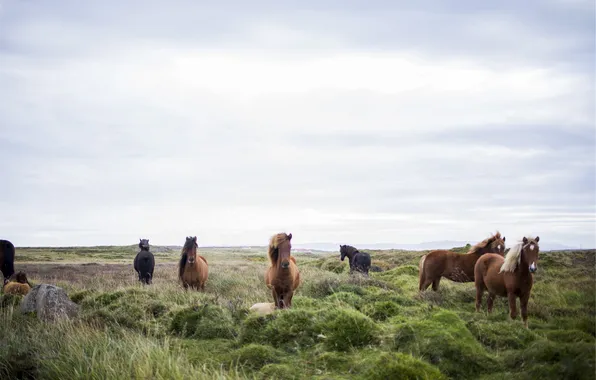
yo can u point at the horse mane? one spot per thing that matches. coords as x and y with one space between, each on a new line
274 244
513 257
484 243
350 249
182 264
188 245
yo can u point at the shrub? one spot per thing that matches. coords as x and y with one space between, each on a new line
279 372
400 366
554 360
203 322
444 340
381 310
346 328
255 356
501 335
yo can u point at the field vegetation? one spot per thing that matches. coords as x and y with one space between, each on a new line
340 326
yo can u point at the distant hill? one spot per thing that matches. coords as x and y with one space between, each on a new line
442 244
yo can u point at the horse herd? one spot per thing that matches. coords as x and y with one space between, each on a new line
486 264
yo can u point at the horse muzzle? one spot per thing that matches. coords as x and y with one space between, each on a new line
285 265
533 268
191 261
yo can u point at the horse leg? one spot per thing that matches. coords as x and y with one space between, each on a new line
512 305
288 299
489 302
479 294
523 304
436 283
275 298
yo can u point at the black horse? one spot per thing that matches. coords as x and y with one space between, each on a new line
6 259
144 262
359 261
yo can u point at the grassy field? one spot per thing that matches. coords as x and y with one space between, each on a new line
340 327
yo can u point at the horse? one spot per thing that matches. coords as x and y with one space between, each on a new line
17 284
193 269
509 277
282 277
359 261
455 266
6 259
144 262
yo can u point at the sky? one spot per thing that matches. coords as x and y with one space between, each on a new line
338 121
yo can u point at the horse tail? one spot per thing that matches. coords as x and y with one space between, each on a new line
421 264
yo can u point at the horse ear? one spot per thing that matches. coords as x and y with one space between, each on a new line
503 238
525 240
537 239
290 236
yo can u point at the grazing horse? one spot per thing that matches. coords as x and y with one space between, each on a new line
17 284
192 269
144 262
6 259
283 276
456 266
509 277
359 261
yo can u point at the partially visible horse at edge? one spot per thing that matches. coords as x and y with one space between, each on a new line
359 261
7 253
144 262
509 277
282 277
455 266
193 269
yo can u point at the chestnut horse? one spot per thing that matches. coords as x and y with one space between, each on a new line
192 269
17 284
283 276
456 266
6 259
509 277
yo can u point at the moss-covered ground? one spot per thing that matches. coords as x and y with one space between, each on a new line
340 326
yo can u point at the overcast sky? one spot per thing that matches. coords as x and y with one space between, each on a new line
338 121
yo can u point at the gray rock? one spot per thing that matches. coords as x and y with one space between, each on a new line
49 302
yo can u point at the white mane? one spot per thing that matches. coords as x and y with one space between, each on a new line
513 257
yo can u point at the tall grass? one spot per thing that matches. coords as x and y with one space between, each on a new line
340 326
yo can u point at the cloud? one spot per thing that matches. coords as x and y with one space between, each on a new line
391 123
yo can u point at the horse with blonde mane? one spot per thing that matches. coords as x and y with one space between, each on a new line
193 269
509 277
455 266
283 276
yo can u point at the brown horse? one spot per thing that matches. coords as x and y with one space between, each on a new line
283 276
6 259
455 266
193 269
509 277
17 284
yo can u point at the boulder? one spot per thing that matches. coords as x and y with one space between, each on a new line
263 308
49 302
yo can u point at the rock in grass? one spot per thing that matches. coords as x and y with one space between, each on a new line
263 308
50 303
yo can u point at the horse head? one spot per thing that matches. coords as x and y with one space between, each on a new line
529 255
284 250
190 248
342 252
497 245
144 244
